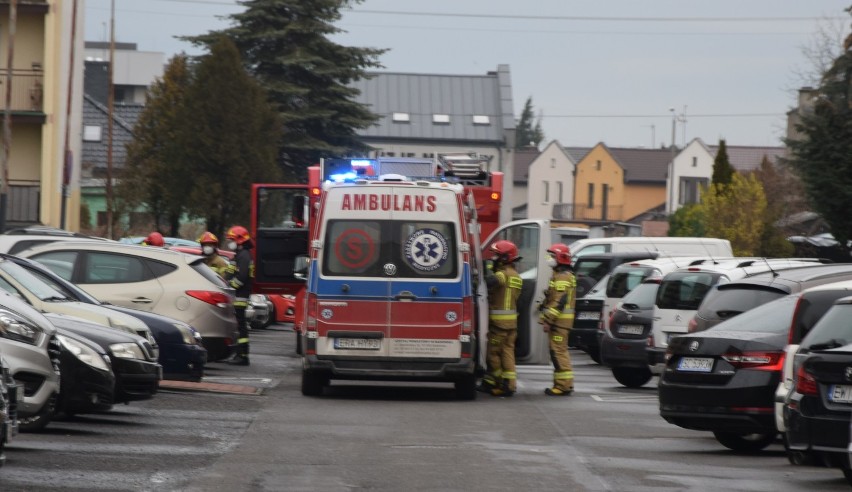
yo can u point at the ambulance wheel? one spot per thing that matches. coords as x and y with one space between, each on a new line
466 387
298 343
313 382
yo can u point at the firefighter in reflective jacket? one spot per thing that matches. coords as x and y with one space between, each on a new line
239 275
557 318
504 288
209 246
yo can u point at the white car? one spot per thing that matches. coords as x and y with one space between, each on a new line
149 278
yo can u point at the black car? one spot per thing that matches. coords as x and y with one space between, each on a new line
137 373
182 354
819 408
623 346
86 380
724 379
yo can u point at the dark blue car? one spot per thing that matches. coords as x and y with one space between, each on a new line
182 354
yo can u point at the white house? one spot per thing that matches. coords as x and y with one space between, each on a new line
550 187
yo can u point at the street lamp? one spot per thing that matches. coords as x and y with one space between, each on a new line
670 206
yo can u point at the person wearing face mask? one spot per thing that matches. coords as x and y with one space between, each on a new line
209 250
240 277
557 317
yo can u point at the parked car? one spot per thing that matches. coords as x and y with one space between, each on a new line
16 280
624 340
682 291
10 393
28 343
181 350
731 299
159 280
723 379
819 408
135 372
14 241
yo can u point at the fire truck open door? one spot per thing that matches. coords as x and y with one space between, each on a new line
280 222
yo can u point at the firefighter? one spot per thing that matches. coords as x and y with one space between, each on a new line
154 239
504 288
240 277
557 318
209 250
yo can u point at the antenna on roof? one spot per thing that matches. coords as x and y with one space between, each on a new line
706 249
774 273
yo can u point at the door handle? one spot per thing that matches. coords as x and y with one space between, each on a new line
142 300
405 296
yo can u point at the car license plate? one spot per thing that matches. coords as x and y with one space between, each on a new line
358 343
589 315
695 364
630 329
840 393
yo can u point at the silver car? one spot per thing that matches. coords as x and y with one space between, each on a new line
29 345
149 278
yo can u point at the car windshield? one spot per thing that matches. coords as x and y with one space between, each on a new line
642 297
68 289
684 290
31 283
772 317
731 301
623 280
833 330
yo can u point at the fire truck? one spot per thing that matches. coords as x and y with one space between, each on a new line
344 252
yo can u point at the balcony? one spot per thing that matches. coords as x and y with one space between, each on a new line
28 6
27 91
570 211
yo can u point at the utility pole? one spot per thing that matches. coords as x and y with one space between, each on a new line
670 206
7 116
110 118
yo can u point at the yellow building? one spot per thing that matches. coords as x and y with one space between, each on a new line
614 184
44 129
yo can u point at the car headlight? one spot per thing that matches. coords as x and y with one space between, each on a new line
127 351
16 328
189 336
84 353
257 299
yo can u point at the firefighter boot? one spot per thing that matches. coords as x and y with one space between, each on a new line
240 357
503 390
557 392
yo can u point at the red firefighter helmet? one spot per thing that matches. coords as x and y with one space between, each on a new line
238 234
208 238
561 252
154 239
504 251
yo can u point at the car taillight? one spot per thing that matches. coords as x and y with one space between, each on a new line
219 299
311 334
467 316
762 361
692 326
805 383
791 338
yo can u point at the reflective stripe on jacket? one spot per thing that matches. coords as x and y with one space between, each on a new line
503 298
558 306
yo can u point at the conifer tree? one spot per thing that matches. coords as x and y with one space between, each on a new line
528 131
723 172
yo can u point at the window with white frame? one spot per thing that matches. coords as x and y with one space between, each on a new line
690 190
546 192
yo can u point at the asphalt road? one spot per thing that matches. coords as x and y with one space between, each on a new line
390 437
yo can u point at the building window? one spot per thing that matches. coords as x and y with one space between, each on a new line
91 133
552 163
695 162
441 119
546 191
559 192
481 119
591 203
598 165
690 190
401 118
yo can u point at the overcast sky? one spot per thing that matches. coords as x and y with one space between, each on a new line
598 70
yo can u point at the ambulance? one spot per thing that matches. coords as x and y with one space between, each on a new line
389 259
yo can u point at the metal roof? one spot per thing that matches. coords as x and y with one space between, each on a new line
643 165
422 96
124 118
745 159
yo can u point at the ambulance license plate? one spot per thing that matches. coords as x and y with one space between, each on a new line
358 343
840 393
695 364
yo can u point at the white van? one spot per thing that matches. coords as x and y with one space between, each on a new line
681 246
682 291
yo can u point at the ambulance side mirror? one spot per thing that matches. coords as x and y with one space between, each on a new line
300 267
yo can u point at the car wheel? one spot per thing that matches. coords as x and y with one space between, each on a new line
466 387
595 355
847 471
799 458
271 318
37 422
313 383
632 377
748 443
